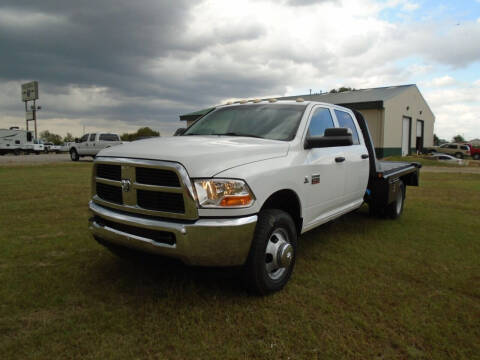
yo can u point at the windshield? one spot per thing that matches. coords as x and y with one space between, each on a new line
268 121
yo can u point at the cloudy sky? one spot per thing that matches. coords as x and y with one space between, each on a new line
120 64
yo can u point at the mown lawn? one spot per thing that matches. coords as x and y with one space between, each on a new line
363 288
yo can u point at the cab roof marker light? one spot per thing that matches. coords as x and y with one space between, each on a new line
243 101
257 101
272 100
300 100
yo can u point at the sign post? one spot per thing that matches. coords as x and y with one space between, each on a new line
30 93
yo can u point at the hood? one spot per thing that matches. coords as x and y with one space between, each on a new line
202 156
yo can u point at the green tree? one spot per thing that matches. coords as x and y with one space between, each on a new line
341 89
68 138
141 133
458 138
47 136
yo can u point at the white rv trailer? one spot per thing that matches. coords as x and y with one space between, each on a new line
16 141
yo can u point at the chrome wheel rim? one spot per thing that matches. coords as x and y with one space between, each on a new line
278 254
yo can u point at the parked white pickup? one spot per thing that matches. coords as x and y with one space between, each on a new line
91 144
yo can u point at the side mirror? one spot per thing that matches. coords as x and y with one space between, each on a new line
77 141
332 137
179 131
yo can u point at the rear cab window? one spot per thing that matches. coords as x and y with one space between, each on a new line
92 137
345 121
109 137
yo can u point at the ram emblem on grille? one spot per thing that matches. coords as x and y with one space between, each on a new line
126 185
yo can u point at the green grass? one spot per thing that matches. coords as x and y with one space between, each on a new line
363 288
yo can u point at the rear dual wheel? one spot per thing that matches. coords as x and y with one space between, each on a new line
395 208
272 255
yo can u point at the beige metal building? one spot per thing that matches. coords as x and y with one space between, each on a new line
399 118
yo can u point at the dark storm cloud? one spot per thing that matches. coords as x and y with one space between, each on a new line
111 44
92 43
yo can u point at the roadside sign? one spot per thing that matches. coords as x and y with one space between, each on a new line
29 115
30 91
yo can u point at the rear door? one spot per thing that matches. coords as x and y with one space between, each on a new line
324 176
356 161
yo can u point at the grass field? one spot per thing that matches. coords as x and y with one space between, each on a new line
363 288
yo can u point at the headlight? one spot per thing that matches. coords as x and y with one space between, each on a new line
222 193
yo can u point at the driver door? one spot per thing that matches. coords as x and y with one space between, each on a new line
324 171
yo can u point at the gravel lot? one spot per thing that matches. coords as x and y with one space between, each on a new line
37 159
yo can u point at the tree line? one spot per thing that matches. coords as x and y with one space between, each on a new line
141 133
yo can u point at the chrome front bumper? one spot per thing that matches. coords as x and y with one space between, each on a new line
206 242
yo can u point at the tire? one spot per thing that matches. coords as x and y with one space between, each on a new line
274 241
74 155
37 152
16 152
476 156
459 155
395 209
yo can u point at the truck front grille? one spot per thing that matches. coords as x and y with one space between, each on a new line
109 193
112 172
147 187
160 201
160 177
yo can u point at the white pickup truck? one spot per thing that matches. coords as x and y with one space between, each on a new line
91 144
241 184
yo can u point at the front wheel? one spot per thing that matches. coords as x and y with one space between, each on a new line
476 156
74 155
459 155
272 254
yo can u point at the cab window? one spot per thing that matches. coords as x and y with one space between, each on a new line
109 137
84 138
92 137
321 120
346 121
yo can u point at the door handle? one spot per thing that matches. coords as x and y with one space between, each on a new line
339 159
365 156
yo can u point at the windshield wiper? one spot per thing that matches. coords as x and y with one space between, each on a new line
240 134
